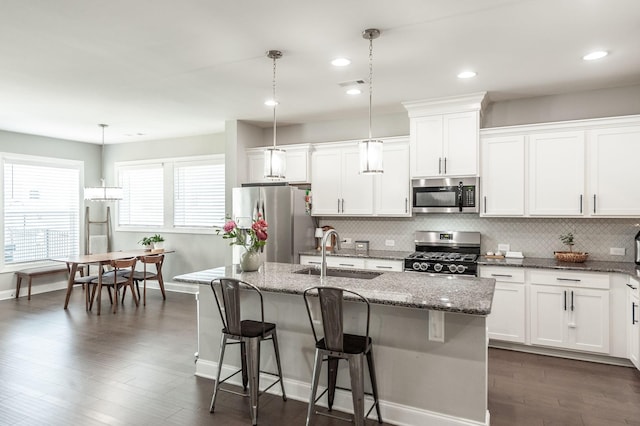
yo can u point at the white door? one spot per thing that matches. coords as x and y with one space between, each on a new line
460 148
548 315
325 181
556 174
392 187
426 146
613 169
297 166
589 320
507 319
356 189
502 174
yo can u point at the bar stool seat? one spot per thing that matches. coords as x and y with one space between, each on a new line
337 345
248 334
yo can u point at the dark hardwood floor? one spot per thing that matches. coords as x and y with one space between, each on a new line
71 367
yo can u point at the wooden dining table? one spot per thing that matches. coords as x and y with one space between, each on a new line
100 259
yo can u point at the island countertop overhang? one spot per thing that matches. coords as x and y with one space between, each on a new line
448 293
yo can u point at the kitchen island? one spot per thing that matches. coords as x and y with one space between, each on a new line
429 334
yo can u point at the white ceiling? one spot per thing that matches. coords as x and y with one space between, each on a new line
167 68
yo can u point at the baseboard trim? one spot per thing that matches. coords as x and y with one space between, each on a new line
35 289
559 353
392 413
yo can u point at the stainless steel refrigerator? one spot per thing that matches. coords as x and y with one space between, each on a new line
290 229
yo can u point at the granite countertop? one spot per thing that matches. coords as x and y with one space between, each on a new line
371 254
545 263
456 294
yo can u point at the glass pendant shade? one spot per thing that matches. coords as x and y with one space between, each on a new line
275 163
371 156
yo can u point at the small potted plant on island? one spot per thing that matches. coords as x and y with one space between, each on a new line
570 256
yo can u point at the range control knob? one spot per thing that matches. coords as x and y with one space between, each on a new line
416 266
424 266
461 268
452 268
437 267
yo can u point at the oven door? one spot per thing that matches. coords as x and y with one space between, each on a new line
449 195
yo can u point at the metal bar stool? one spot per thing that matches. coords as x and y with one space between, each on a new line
336 345
248 334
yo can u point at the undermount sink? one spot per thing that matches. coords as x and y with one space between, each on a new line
342 273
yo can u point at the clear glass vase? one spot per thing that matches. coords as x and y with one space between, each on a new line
250 261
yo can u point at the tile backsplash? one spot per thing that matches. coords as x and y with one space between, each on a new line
538 237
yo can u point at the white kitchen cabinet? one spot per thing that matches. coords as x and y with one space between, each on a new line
569 310
633 315
445 145
556 174
347 262
298 164
444 135
384 265
337 185
392 188
614 154
507 321
503 176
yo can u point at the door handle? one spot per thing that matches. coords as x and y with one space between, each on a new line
346 264
572 307
445 165
343 205
565 300
594 203
384 267
631 287
338 205
439 165
406 205
580 203
574 280
502 275
485 203
633 312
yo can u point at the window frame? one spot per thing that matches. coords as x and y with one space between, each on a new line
168 165
43 162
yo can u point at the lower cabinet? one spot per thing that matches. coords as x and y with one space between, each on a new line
634 323
507 321
566 313
355 263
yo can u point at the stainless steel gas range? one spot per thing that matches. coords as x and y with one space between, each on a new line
445 252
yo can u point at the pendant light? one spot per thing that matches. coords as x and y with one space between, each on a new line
370 149
275 160
103 192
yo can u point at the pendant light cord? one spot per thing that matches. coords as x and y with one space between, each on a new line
275 102
102 181
370 81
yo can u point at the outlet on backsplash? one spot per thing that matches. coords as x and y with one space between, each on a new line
617 251
504 247
389 243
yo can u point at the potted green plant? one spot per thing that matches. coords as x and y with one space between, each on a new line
570 256
146 242
158 242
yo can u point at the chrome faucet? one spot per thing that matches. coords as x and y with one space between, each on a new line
323 268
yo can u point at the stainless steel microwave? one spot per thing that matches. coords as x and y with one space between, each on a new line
446 195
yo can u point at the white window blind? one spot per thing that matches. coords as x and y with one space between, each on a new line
199 194
143 196
41 210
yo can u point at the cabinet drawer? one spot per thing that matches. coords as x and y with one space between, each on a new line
345 262
310 260
384 265
510 275
570 279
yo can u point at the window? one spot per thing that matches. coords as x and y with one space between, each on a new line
182 193
41 215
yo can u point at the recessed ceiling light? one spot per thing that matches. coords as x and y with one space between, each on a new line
354 91
467 74
595 55
270 102
340 62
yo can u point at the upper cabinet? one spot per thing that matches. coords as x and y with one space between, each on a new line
444 136
339 189
571 169
298 164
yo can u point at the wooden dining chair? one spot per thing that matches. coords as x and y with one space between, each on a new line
120 277
149 275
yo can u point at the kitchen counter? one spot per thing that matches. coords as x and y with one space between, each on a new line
546 263
371 254
429 338
457 294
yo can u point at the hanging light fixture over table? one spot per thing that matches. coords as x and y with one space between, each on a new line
370 149
275 160
103 192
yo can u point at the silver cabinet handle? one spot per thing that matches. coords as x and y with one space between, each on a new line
346 264
338 205
631 287
594 203
572 300
580 203
445 165
634 305
574 280
343 205
439 165
384 267
502 275
485 203
565 300
406 205
314 263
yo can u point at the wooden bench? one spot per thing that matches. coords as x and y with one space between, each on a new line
36 272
